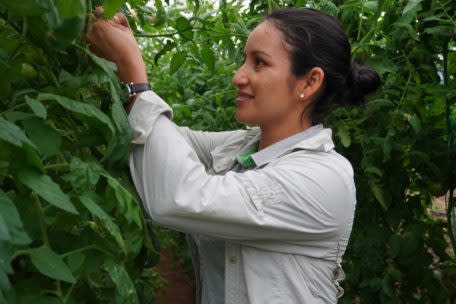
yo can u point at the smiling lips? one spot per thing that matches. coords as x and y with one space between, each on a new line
243 97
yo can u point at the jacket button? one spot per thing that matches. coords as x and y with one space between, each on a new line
271 194
233 259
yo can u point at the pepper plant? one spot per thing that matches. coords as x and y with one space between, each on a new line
71 226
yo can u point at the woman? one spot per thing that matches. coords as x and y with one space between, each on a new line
268 211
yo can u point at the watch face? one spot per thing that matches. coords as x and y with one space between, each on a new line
124 93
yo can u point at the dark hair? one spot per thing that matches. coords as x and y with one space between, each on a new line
319 40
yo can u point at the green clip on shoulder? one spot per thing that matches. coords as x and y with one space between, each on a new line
245 160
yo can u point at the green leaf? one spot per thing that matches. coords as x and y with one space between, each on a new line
90 200
13 221
374 170
412 5
442 30
46 139
70 24
380 196
373 5
107 66
75 261
111 7
344 136
4 231
84 176
29 157
27 7
46 188
208 57
176 61
125 287
5 265
184 27
127 205
122 147
37 107
4 284
161 13
70 8
11 133
168 47
377 104
50 264
415 123
329 8
84 109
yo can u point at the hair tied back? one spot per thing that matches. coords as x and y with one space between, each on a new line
361 81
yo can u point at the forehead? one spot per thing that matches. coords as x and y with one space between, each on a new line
267 37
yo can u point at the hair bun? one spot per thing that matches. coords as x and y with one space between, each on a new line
361 81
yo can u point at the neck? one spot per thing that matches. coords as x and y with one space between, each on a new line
270 134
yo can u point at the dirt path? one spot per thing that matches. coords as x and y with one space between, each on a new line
180 288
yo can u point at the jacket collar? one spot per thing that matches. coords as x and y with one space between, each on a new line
316 138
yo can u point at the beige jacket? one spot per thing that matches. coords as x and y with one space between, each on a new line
286 223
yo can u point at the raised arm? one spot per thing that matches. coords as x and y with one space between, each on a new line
303 197
114 40
203 142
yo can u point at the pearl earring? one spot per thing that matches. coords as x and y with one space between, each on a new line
301 95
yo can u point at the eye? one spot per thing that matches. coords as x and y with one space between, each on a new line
258 61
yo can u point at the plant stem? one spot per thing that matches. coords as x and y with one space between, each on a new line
67 296
56 166
41 219
24 26
18 253
449 196
13 108
360 24
59 291
88 247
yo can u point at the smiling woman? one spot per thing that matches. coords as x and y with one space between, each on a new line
268 211
268 92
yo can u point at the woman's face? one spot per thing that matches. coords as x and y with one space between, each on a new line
267 92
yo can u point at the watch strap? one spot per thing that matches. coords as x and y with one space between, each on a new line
135 88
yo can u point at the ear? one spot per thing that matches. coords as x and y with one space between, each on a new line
310 84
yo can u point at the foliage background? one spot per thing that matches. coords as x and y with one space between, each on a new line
401 144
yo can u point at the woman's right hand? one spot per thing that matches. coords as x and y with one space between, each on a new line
114 40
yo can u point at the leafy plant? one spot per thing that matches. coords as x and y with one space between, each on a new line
71 229
71 226
401 144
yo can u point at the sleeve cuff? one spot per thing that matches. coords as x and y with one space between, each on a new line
145 110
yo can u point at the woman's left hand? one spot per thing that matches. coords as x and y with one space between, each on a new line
114 40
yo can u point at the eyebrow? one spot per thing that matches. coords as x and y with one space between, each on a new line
255 52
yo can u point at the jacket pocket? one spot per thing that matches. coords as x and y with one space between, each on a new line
263 192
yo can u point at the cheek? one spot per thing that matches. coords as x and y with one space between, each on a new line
274 98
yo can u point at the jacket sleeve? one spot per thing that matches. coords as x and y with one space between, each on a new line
293 200
203 142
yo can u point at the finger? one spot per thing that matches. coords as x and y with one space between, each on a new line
98 11
121 19
93 49
117 25
93 17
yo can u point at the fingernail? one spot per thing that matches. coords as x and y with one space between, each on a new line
116 19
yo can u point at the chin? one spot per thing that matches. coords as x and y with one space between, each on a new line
245 119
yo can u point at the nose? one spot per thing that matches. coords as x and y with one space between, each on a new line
240 78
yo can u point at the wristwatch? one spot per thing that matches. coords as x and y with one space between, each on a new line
131 89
